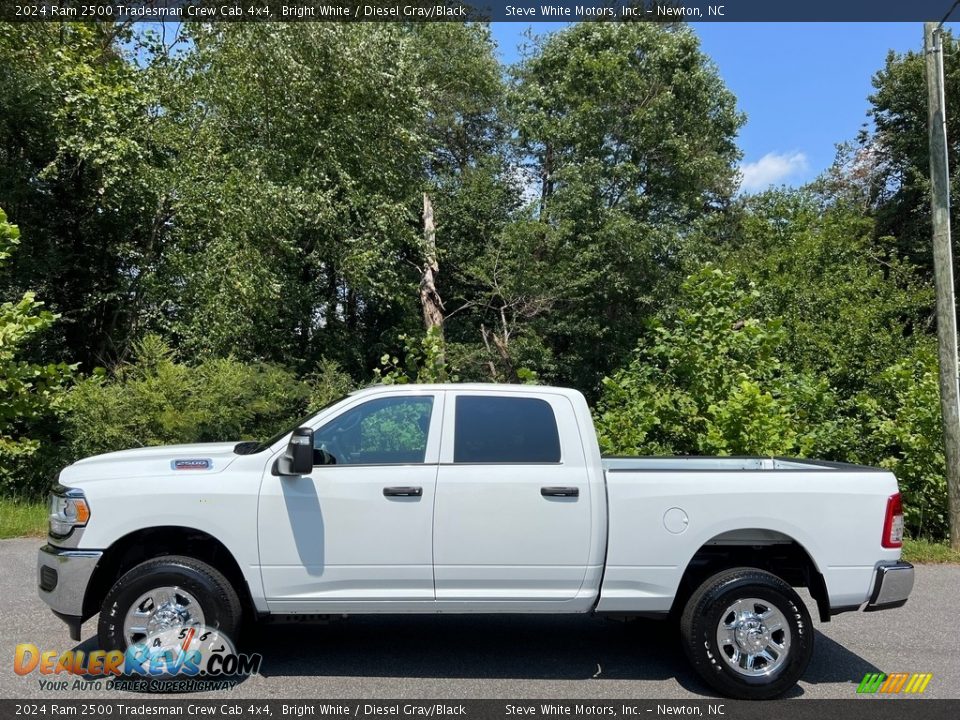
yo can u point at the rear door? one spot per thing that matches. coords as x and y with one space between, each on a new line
512 516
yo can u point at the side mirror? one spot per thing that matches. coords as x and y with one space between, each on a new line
297 459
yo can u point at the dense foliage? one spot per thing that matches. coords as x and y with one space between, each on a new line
712 382
29 392
224 226
156 400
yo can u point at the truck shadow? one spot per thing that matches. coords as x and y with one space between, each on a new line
503 647
528 647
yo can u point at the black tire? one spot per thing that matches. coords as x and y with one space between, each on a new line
216 596
701 620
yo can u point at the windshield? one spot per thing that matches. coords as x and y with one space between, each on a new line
252 447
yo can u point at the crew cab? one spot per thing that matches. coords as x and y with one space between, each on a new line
474 499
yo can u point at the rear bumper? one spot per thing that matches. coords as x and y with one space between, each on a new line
892 586
62 579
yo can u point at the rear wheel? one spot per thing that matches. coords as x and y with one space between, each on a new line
747 634
164 593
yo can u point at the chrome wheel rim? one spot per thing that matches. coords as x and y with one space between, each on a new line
753 637
160 609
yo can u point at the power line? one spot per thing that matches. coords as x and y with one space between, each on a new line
949 13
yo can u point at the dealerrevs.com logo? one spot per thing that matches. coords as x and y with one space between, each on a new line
894 683
178 659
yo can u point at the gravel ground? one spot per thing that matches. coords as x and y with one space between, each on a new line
520 657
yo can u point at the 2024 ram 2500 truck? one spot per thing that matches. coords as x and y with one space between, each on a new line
474 499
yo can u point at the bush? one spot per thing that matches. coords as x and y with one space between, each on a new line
901 417
710 383
328 383
155 400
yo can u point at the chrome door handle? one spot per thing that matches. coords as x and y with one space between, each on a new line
402 491
560 491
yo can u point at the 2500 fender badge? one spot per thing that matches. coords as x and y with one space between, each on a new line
192 464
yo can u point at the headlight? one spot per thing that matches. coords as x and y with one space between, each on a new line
68 510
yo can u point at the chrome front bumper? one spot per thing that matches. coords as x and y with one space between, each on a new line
62 579
892 586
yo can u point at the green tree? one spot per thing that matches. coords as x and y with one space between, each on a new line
78 170
28 392
293 191
303 157
628 134
892 166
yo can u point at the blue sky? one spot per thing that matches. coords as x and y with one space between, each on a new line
803 86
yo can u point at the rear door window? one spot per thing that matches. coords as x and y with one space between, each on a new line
505 430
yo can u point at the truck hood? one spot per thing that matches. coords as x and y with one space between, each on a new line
202 458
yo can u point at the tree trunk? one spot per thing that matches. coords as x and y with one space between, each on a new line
429 297
501 342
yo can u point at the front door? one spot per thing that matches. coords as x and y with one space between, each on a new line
358 531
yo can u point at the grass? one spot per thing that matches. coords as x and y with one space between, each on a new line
926 551
22 518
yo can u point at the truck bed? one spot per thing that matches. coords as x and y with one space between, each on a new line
663 510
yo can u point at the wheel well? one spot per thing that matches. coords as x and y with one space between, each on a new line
150 543
767 550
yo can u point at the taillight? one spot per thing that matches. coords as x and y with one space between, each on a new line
893 523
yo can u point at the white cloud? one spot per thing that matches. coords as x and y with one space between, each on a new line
772 168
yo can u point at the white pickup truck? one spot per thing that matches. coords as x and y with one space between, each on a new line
474 499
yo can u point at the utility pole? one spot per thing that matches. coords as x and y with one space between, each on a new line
943 270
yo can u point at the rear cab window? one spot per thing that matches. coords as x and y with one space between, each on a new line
492 429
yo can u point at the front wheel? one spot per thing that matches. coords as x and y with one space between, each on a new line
747 634
167 593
